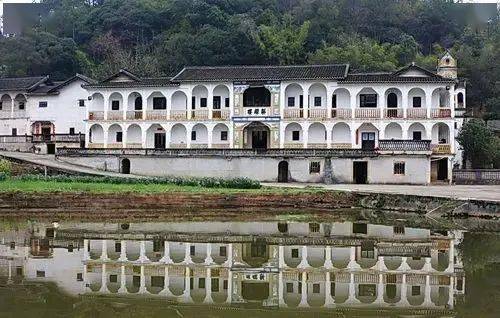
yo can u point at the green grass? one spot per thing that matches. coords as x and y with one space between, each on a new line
17 185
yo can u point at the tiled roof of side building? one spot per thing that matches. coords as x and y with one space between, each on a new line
261 73
392 78
142 82
20 83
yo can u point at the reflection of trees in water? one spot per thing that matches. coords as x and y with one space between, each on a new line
480 253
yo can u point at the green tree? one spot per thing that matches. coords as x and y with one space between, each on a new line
480 145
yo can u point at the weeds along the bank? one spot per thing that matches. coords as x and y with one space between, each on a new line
206 182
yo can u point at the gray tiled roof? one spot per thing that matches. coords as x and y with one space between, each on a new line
20 83
262 73
143 82
392 78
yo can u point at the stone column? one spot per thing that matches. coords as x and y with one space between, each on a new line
404 291
229 261
353 97
166 284
451 258
380 266
305 135
428 266
104 251
328 258
166 254
9 277
86 289
329 301
303 263
186 295
86 255
210 133
352 291
208 287
144 137
210 102
105 134
303 296
142 257
187 254
404 267
281 257
380 290
104 280
123 251
427 292
123 281
12 106
281 300
209 260
106 106
352 259
428 103
229 298
404 102
329 133
142 287
451 293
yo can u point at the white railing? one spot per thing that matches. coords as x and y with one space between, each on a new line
220 146
393 113
293 113
416 113
296 144
316 145
96 145
441 112
178 114
341 145
220 114
367 112
134 145
318 113
114 145
178 145
199 145
199 114
134 114
156 115
96 115
442 149
341 113
115 115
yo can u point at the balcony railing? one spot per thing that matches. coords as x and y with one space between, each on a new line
294 145
341 145
7 139
199 145
341 113
115 145
134 115
96 115
220 146
199 114
367 112
316 145
178 114
94 145
441 112
393 113
293 113
404 145
320 113
179 145
115 115
156 115
135 145
416 113
220 114
441 149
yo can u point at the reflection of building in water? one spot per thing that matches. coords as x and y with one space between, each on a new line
262 263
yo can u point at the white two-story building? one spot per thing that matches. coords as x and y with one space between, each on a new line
307 123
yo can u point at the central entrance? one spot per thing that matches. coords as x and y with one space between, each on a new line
256 136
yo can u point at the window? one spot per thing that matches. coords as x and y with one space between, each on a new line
317 101
118 247
12 245
14 131
203 102
367 249
72 131
119 136
417 102
42 104
226 102
21 105
295 253
215 285
299 288
193 135
332 289
159 103
19 271
415 290
224 284
283 227
316 288
193 102
217 102
192 250
115 105
399 229
40 273
368 100
223 251
223 135
157 281
79 277
136 281
417 135
113 278
359 228
399 168
157 245
291 101
314 227
334 101
314 167
301 101
201 282
289 287
367 290
390 291
70 248
295 135
1 105
81 102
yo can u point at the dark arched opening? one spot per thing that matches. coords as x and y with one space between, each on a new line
138 103
460 99
283 171
125 166
392 100
257 97
256 136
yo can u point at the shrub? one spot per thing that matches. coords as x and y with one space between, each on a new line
3 176
5 167
206 182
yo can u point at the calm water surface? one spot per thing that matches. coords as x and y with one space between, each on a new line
251 269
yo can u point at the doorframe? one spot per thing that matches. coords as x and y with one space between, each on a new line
354 170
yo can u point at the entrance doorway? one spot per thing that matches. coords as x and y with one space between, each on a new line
51 149
160 140
283 171
439 170
126 166
256 136
360 172
368 140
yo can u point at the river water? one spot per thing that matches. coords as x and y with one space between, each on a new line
268 268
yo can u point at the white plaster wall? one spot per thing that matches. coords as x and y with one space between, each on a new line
416 92
289 132
317 133
393 131
179 101
201 134
341 133
343 98
293 90
134 134
21 124
317 90
179 134
216 134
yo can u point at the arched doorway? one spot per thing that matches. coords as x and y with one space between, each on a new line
283 171
256 136
125 166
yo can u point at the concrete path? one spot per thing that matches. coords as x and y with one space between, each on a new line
459 192
52 162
